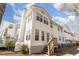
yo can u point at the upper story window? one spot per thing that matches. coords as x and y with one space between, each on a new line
39 17
58 28
45 20
51 25
36 35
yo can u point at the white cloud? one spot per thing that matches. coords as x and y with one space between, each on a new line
58 6
17 11
13 6
16 18
61 20
72 17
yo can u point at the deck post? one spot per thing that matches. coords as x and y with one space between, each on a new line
48 50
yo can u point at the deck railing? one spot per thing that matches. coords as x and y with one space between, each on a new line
52 43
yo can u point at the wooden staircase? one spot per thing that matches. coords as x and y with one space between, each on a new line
52 44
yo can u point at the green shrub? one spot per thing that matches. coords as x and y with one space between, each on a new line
24 49
10 44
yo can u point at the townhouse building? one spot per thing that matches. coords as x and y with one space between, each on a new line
8 31
36 29
68 36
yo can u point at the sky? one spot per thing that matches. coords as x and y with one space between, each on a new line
14 11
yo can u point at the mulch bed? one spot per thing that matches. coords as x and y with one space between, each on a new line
11 53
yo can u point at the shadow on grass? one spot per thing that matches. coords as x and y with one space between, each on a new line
71 50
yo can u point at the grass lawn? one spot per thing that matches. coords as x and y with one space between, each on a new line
11 53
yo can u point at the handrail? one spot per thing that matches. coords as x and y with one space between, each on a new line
51 39
50 46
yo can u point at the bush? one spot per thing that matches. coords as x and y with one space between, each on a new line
24 49
10 44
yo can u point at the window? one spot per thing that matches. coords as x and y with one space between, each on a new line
47 22
39 17
47 37
58 28
36 35
42 37
26 37
44 21
51 25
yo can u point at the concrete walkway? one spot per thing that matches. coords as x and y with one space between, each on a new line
72 52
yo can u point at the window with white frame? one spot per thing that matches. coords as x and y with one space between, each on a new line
41 18
42 36
36 35
59 38
47 37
